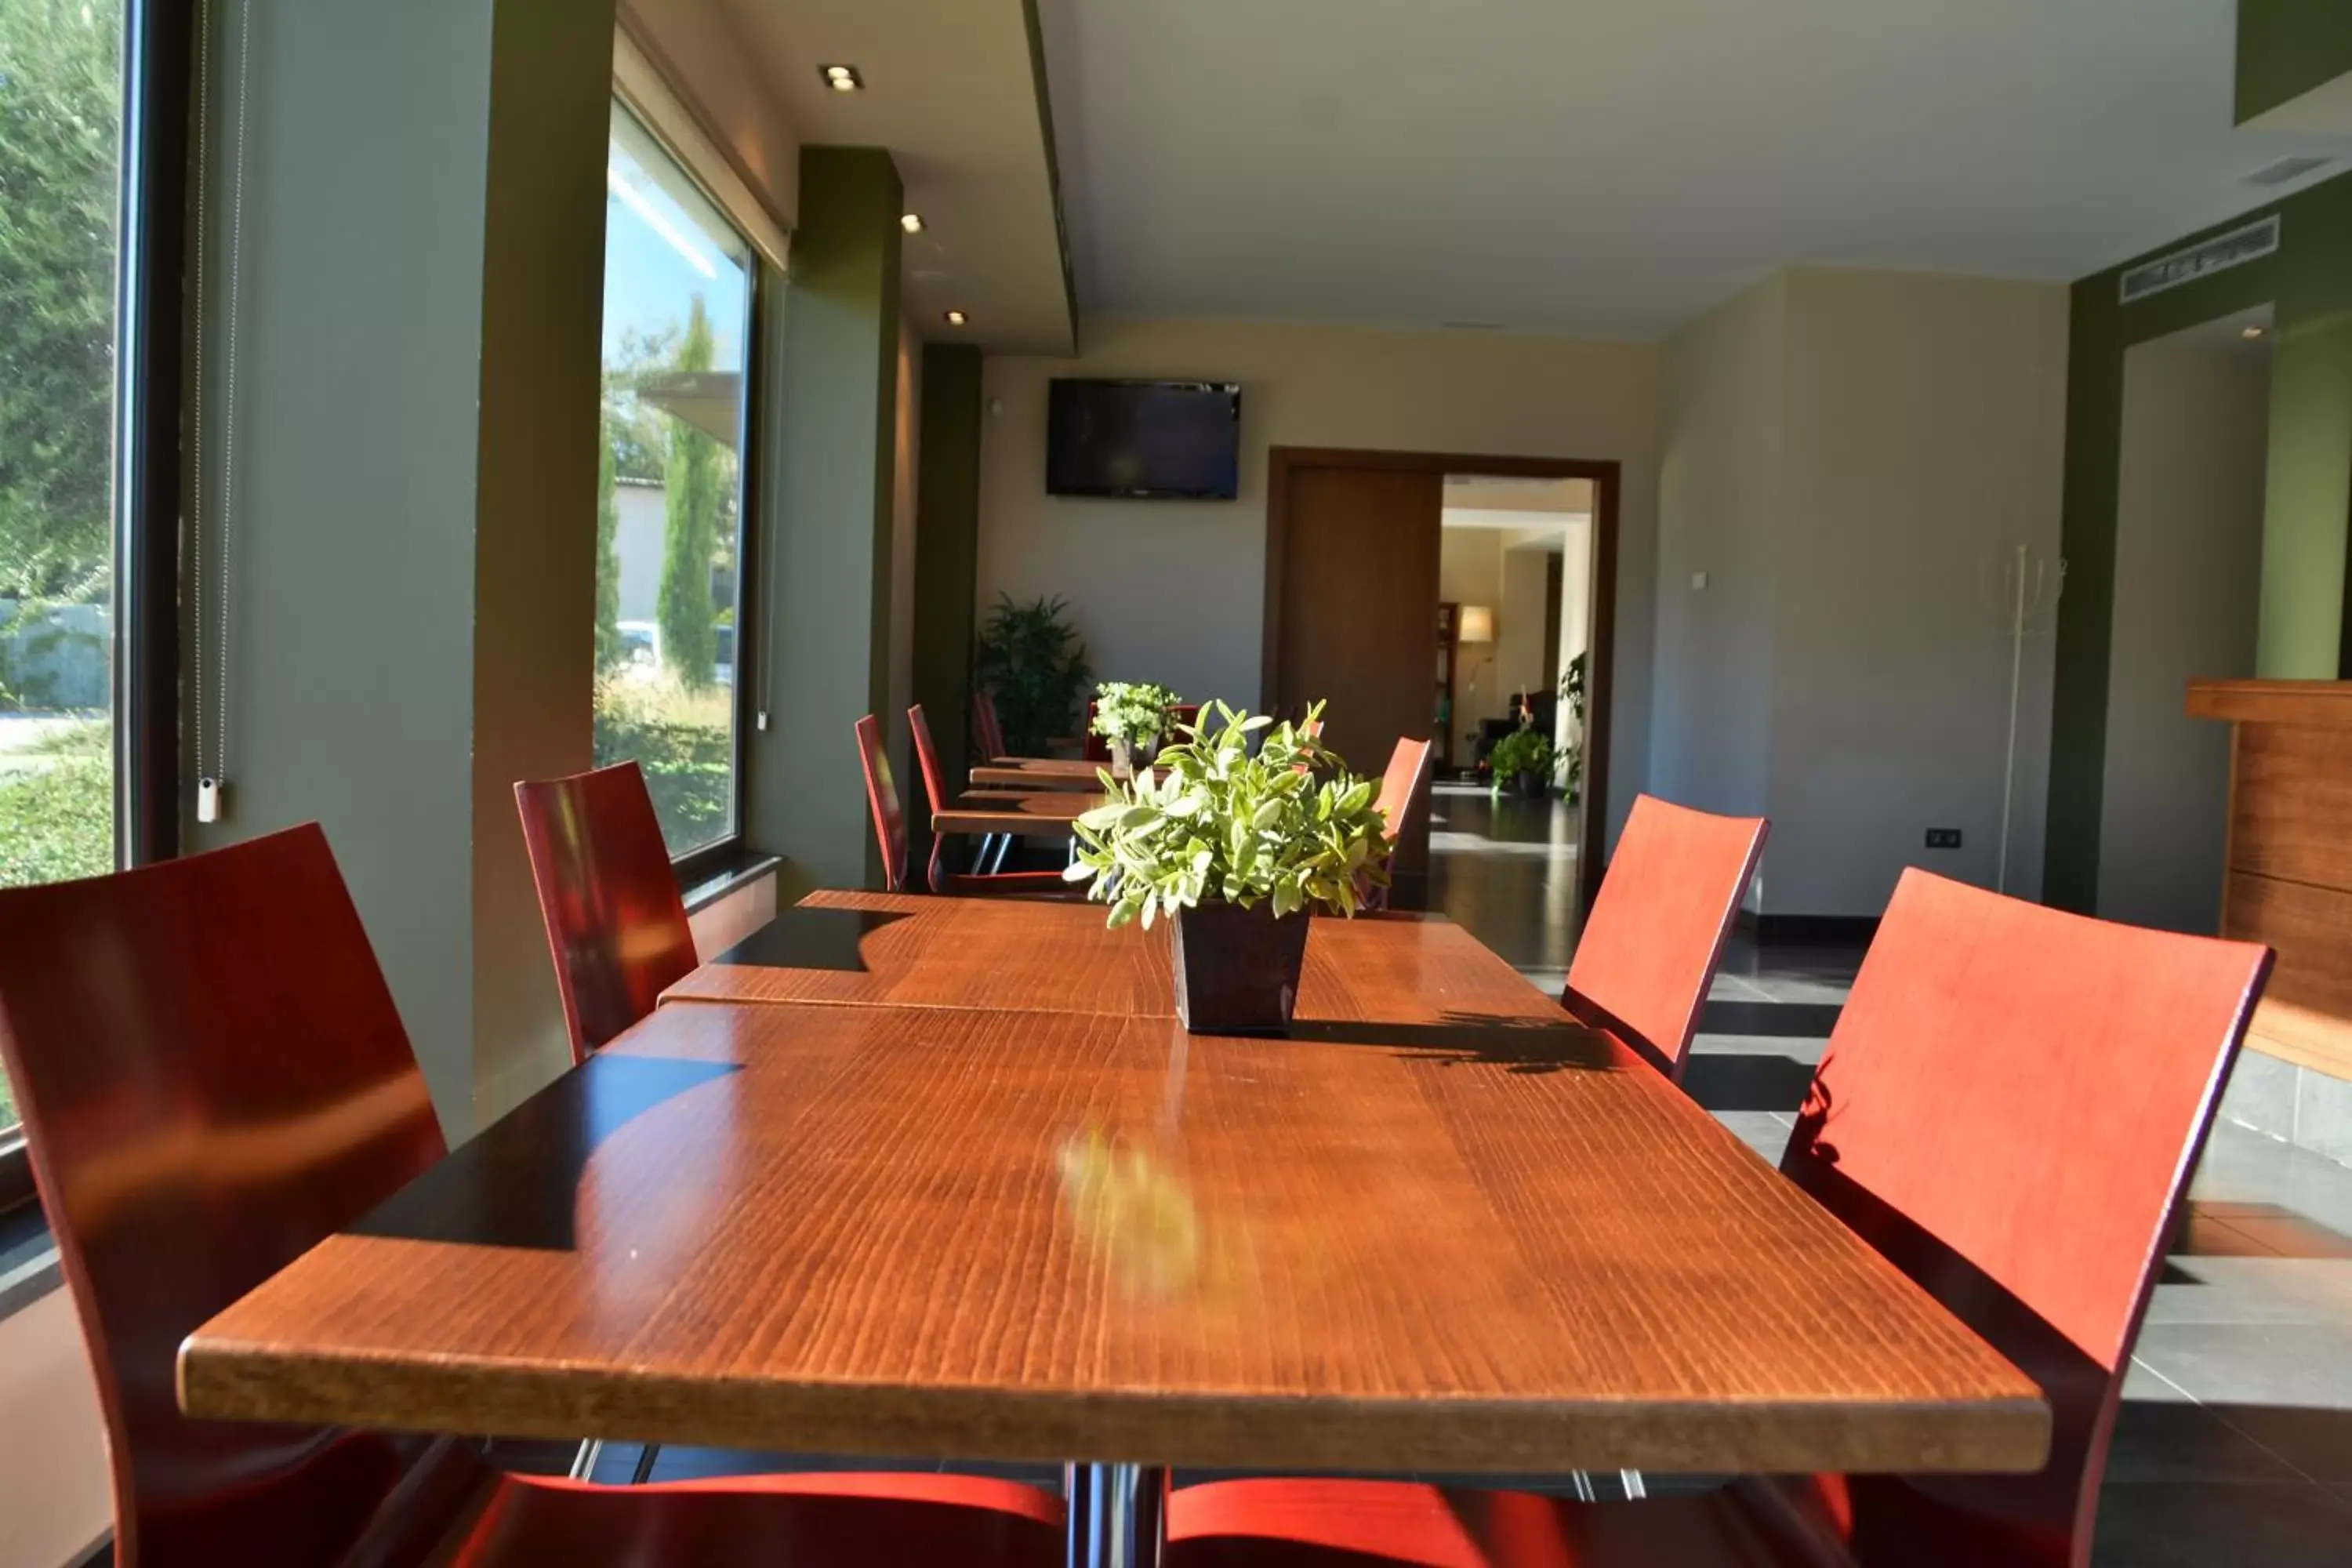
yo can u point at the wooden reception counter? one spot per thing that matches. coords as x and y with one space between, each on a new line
2289 881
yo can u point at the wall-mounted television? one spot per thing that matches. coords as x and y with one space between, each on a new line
1146 440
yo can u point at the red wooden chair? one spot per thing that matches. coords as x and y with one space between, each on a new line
214 1080
935 785
987 734
1401 791
606 894
2009 1110
1649 949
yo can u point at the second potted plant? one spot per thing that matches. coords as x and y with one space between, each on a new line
1522 763
1238 847
1132 715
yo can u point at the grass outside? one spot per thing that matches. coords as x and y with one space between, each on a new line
684 743
57 811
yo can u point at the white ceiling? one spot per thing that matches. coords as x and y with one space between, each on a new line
951 91
1615 167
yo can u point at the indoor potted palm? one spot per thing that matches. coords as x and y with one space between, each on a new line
1132 715
1238 846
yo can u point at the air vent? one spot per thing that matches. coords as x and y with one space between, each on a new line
2218 254
2286 168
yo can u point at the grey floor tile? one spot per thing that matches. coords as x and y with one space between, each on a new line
2254 1290
2175 1441
2221 1525
2296 1365
1760 1129
2244 1165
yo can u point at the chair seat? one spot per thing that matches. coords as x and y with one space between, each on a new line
1308 1523
861 1518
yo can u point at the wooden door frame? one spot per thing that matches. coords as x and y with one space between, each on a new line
1600 633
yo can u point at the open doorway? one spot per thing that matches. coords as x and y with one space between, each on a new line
1355 589
1515 584
2187 583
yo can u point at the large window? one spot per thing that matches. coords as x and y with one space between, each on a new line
679 288
61 92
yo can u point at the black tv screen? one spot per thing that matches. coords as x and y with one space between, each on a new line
1151 440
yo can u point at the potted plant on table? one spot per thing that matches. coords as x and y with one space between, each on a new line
1522 761
1132 715
1238 846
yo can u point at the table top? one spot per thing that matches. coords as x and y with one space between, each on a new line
1039 773
1046 814
1026 1235
903 950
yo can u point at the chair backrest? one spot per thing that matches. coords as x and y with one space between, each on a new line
212 1080
1649 948
608 898
2009 1110
987 734
1408 765
926 760
882 798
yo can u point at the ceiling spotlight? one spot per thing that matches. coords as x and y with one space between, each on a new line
956 317
841 79
2250 333
912 222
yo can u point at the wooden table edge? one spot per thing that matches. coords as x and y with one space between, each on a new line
225 1379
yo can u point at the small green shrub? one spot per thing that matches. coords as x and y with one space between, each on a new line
685 744
57 814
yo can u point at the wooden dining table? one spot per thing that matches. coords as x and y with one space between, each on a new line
1039 773
1041 814
958 1188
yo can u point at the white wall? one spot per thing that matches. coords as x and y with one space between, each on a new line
1718 513
2187 588
1526 604
1846 451
1175 591
54 1499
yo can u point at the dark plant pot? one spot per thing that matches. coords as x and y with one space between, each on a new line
1527 786
1237 969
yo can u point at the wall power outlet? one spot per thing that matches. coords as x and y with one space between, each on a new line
1943 838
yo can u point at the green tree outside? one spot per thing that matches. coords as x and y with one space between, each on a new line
695 482
609 653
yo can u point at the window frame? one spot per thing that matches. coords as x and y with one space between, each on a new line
158 40
729 851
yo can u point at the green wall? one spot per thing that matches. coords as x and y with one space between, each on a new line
415 479
829 408
947 552
2286 47
2306 509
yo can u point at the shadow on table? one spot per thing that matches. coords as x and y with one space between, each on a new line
1522 1045
518 1184
804 938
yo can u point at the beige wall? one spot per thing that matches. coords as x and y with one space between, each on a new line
56 1500
1174 591
1846 452
1519 637
2189 551
1719 514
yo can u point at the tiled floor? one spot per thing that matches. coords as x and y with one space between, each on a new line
2235 1446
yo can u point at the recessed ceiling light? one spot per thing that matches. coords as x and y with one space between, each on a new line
912 222
2250 333
956 317
841 79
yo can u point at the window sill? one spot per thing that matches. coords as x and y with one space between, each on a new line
28 1260
736 871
